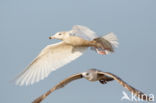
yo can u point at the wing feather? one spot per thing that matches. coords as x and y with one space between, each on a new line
136 92
84 32
58 86
51 58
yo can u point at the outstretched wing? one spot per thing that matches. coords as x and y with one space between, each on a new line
136 92
51 58
83 32
60 85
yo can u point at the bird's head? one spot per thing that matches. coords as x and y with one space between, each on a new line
60 35
90 75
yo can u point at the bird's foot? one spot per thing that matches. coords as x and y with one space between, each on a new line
101 52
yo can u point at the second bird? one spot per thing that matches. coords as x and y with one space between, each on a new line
74 43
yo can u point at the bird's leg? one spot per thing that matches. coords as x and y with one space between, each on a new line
102 52
98 47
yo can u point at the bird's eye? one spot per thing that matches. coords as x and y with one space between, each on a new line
59 34
87 73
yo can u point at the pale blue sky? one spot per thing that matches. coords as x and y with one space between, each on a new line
26 25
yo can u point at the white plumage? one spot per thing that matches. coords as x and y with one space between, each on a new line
54 56
112 39
83 32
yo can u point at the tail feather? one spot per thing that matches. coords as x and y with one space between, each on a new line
107 42
111 37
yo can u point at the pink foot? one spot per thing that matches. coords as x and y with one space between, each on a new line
100 52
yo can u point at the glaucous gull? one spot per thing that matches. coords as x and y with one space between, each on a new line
72 46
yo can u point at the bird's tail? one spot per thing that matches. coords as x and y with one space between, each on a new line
106 44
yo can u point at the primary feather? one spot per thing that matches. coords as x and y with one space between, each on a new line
51 58
84 32
57 55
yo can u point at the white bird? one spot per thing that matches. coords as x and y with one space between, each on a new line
73 45
94 75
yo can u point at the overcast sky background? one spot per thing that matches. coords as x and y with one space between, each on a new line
26 25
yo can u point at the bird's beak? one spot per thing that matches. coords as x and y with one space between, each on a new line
52 37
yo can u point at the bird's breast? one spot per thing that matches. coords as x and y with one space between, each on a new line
92 78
